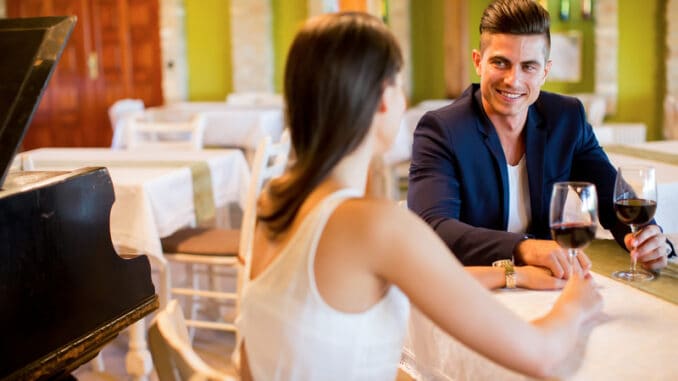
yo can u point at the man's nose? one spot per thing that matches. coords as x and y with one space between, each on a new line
512 76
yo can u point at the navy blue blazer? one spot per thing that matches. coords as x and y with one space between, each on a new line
458 180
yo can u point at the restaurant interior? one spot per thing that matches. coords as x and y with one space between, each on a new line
186 95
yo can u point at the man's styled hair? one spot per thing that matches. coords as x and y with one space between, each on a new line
516 17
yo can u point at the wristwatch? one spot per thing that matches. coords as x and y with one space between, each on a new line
509 271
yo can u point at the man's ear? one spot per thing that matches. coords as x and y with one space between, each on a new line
547 69
477 57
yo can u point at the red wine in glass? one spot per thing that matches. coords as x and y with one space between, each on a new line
573 235
635 202
635 211
573 215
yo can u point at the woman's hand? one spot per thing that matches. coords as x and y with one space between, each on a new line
580 296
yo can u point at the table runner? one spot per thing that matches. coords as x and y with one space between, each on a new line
643 153
203 197
607 256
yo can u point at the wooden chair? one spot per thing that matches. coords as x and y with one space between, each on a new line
120 112
222 247
173 356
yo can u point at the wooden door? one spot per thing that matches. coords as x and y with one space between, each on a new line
98 67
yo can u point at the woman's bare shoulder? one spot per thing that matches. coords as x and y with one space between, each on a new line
376 222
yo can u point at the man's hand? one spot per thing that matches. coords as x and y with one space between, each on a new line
537 278
547 253
649 246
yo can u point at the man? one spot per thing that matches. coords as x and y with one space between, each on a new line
483 167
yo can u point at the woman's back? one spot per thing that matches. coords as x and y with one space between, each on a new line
292 333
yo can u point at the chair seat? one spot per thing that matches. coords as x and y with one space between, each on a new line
203 241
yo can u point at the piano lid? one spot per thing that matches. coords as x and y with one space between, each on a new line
29 51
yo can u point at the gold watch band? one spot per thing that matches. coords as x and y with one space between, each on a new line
509 271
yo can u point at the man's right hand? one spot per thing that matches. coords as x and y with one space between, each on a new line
547 253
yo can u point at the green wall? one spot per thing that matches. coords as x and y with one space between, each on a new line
288 16
208 49
574 23
428 77
642 71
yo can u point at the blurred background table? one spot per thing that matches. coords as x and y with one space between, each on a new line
156 192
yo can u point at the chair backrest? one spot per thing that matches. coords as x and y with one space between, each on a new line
433 104
166 135
122 107
270 161
119 114
254 98
595 107
173 356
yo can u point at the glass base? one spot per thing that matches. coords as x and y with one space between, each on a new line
635 276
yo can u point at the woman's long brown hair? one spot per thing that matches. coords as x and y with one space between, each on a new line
337 69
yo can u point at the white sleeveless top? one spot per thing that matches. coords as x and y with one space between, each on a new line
291 333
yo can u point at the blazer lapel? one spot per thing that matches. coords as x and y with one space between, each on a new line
535 144
491 140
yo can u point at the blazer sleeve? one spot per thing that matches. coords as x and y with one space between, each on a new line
434 194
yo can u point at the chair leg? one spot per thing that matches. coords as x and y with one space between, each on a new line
191 301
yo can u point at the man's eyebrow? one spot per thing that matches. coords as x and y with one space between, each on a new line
531 62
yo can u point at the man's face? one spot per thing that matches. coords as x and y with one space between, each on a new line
512 69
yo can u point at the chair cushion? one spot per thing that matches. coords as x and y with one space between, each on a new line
202 241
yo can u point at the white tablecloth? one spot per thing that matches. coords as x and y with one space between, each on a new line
153 190
227 125
638 342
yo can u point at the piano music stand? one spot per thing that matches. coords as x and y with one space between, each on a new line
31 48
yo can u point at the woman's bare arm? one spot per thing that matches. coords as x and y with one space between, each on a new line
408 253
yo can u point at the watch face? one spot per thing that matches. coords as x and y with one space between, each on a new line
502 263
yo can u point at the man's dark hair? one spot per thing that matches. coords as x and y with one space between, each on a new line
516 17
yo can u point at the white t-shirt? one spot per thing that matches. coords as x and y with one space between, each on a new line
519 197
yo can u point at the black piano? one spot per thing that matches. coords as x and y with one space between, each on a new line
64 291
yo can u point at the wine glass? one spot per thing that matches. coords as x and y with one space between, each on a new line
573 215
635 201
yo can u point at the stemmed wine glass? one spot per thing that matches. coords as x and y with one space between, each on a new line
573 215
635 201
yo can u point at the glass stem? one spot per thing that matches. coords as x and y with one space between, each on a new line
572 256
634 259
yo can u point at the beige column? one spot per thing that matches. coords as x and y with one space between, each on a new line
607 47
456 52
251 46
672 47
173 50
399 22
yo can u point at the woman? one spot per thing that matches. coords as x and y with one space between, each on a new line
334 270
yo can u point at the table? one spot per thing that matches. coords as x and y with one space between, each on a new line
635 316
144 210
225 125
